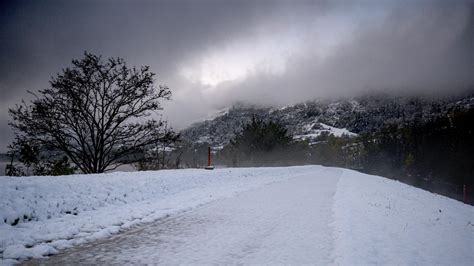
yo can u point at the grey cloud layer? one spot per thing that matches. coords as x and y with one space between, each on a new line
422 46
421 50
39 38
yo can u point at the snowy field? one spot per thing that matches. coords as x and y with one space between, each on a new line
351 218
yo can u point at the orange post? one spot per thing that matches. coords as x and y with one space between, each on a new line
209 166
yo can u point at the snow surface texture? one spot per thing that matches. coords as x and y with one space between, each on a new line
66 211
381 221
284 223
373 220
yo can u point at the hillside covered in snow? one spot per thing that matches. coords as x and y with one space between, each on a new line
366 219
306 121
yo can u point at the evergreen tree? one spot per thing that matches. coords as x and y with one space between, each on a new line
257 140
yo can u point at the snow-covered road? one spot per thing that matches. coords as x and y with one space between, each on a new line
282 215
287 222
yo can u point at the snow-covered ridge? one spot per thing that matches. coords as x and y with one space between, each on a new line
358 115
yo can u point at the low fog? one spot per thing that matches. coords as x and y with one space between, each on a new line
215 53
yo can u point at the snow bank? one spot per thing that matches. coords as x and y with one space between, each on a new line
40 215
381 221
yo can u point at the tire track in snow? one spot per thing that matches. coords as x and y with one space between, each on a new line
281 223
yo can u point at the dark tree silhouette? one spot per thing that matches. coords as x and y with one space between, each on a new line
259 143
261 136
97 113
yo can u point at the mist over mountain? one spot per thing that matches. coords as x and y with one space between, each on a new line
305 121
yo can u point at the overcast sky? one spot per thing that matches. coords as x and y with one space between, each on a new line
214 53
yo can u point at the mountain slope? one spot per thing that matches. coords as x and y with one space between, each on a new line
308 120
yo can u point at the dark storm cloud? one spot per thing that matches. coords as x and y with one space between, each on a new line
413 49
39 38
48 34
395 46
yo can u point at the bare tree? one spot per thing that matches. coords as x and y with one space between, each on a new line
160 156
97 113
